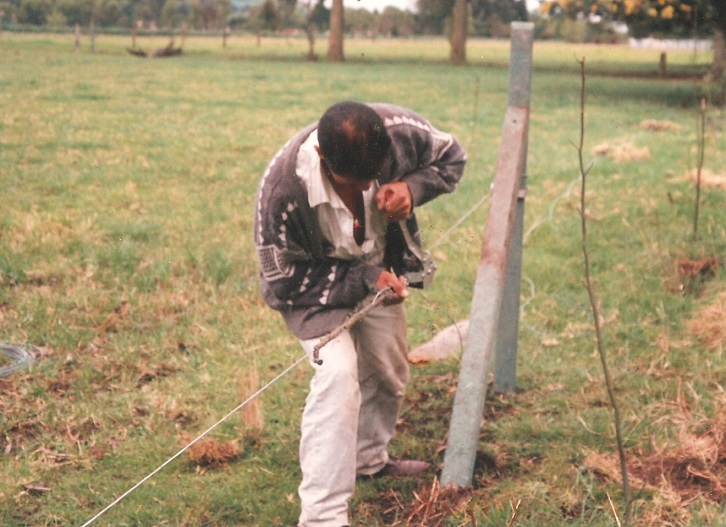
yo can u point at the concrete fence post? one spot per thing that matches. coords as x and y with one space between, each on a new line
493 273
520 80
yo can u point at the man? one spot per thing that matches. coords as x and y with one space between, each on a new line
331 210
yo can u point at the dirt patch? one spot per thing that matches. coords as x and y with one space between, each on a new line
693 470
689 275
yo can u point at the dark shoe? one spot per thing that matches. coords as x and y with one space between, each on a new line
401 468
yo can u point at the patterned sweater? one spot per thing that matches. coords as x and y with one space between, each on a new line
313 291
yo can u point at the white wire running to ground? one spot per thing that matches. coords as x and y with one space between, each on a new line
458 222
188 446
525 238
551 212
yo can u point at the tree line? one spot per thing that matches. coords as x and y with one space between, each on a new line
432 17
457 19
660 18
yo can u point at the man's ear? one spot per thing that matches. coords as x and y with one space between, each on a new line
317 149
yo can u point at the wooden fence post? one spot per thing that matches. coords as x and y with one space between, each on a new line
93 33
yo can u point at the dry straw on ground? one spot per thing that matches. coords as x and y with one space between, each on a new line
675 476
622 153
212 453
252 415
709 324
690 274
708 179
431 505
655 125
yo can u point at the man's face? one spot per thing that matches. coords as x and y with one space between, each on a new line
345 182
351 183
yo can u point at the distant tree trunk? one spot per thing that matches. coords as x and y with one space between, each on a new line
719 53
458 32
310 33
335 41
720 7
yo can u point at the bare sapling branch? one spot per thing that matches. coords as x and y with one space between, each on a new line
595 309
699 167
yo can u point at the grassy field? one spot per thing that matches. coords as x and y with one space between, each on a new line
127 266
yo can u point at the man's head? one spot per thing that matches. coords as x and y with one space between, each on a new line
353 140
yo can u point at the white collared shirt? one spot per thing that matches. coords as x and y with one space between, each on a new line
334 218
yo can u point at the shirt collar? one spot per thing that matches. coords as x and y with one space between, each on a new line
320 189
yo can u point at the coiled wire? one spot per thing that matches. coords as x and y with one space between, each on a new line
19 357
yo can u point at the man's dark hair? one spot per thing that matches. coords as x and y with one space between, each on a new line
353 140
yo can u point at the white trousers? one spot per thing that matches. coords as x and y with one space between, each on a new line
350 412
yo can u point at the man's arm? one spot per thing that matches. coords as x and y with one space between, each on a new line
429 161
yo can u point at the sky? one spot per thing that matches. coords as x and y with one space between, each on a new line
380 5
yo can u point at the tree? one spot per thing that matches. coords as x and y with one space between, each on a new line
361 22
335 39
210 14
151 10
395 22
266 16
176 12
34 12
432 15
719 47
680 18
318 17
683 18
458 32
492 18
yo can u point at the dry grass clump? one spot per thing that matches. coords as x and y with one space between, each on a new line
655 125
430 507
212 453
622 153
689 274
709 324
693 470
708 178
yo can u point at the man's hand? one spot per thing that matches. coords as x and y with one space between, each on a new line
399 284
394 199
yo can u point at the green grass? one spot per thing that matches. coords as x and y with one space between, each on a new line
126 256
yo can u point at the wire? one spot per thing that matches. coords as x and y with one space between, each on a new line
376 300
551 212
461 220
20 358
189 445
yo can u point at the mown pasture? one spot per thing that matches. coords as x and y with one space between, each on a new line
127 265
